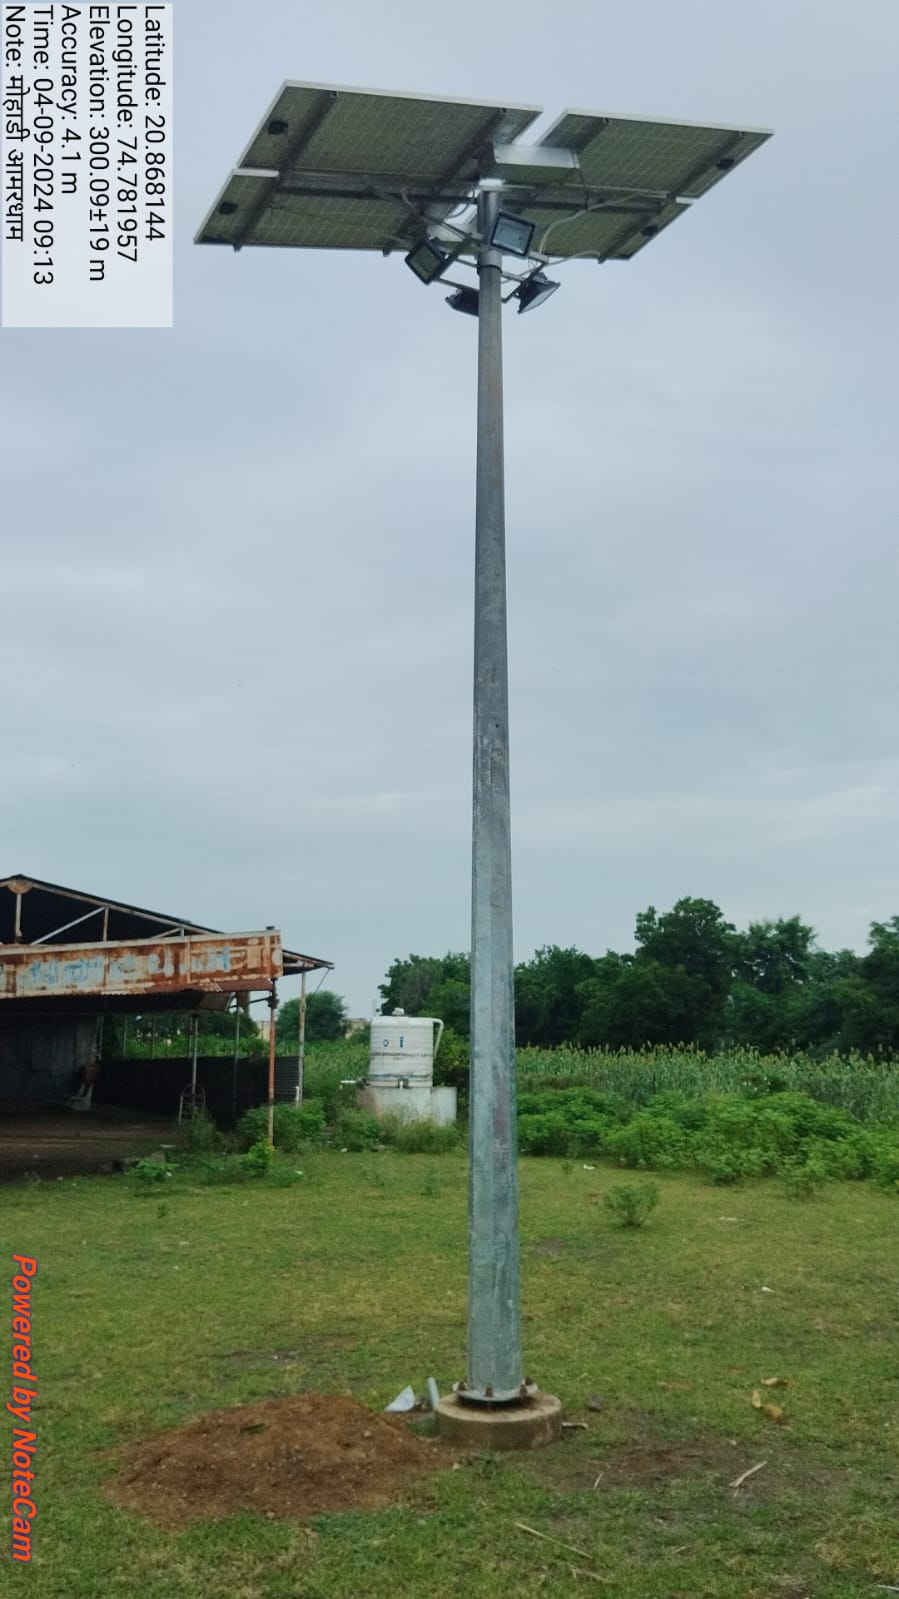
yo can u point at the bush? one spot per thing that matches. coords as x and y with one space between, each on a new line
548 1134
418 1137
573 1121
451 1068
257 1162
632 1203
803 1177
203 1136
295 1126
650 1142
885 1166
148 1173
355 1130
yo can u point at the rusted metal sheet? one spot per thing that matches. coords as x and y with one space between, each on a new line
205 963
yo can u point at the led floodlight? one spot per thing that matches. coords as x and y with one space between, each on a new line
428 260
466 300
534 292
512 235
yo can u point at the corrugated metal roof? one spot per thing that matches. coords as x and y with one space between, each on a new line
48 912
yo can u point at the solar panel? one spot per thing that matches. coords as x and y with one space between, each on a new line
608 230
331 147
678 158
253 209
358 169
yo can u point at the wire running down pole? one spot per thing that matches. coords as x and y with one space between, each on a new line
494 1291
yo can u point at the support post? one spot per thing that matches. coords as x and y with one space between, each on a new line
494 1292
194 1047
272 1006
301 1063
236 1063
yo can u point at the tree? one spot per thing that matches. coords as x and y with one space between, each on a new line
635 1001
768 1007
694 939
775 955
326 1018
430 985
548 1000
869 997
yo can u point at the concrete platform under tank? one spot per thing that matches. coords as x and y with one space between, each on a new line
414 1104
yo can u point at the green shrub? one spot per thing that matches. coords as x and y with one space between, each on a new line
562 1121
885 1166
803 1176
203 1136
653 1143
418 1137
257 1162
547 1134
329 1066
451 1067
632 1203
724 1165
148 1173
355 1130
295 1126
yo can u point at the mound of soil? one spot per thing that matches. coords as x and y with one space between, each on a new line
294 1457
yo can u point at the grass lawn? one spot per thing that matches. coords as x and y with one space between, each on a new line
150 1310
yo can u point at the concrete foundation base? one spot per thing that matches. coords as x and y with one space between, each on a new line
526 1426
414 1104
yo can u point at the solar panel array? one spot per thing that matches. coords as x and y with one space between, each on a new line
348 169
344 157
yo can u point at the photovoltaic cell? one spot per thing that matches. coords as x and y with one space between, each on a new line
608 234
333 130
316 138
333 224
357 169
676 158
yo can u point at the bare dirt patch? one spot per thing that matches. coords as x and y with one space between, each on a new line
665 1462
296 1457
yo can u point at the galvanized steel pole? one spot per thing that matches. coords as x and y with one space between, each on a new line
494 1292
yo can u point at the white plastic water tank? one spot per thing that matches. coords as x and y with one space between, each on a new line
403 1049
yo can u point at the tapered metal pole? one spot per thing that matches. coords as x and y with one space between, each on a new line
494 1292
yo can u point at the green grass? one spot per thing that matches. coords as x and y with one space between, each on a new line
150 1310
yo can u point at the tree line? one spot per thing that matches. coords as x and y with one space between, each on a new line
693 978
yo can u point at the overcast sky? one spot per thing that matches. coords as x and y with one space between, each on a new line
235 633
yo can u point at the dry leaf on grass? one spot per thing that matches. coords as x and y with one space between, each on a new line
773 1412
774 1382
